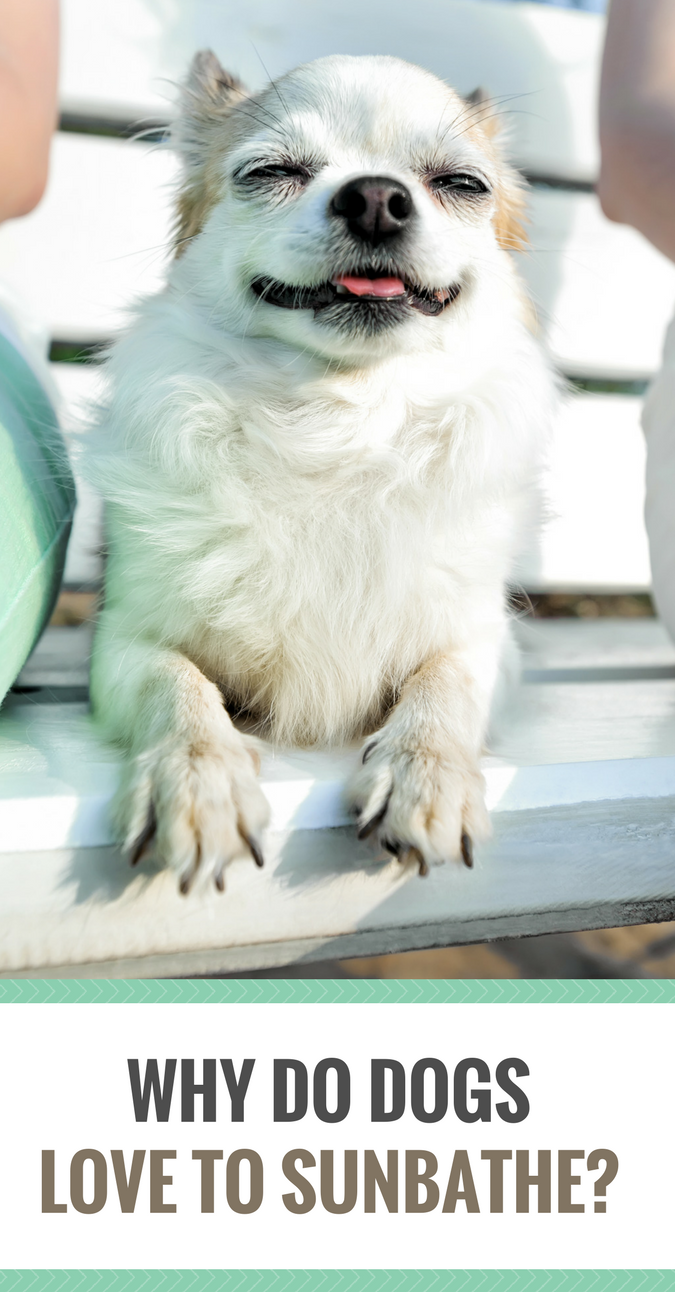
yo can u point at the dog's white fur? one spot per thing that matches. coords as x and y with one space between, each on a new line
316 525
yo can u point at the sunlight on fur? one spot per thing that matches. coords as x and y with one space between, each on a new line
321 459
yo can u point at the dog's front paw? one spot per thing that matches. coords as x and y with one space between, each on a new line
196 804
421 804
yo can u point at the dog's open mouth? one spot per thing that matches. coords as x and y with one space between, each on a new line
360 290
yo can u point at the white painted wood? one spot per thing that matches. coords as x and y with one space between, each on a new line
556 743
613 646
56 781
120 57
581 783
595 537
603 294
512 788
100 238
568 722
608 649
321 891
60 659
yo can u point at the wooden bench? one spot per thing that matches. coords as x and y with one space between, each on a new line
581 774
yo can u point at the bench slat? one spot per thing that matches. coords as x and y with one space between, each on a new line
49 754
564 745
605 649
547 869
603 294
595 537
551 650
100 237
60 659
122 58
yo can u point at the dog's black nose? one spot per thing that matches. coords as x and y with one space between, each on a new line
374 207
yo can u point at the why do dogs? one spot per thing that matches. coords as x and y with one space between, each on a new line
320 458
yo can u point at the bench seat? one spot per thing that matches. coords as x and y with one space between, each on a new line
581 783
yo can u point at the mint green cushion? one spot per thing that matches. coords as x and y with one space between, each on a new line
37 501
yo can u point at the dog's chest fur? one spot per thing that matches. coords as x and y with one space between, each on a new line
310 581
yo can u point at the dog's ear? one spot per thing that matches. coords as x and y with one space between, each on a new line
510 215
207 97
476 97
209 91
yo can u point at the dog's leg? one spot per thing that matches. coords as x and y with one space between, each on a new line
190 775
419 790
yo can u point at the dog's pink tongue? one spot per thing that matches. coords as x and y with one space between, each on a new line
371 286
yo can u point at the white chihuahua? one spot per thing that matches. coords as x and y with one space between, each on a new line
320 458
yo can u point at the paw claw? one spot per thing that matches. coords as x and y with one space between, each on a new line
467 850
186 882
374 820
413 854
210 808
255 850
147 833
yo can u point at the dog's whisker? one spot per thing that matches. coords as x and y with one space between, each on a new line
490 103
253 110
273 84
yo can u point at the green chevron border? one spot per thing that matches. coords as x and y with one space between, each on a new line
336 1280
338 991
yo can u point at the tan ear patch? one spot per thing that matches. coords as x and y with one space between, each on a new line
196 198
208 96
510 215
510 195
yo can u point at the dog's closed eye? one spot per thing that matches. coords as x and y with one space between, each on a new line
264 175
458 184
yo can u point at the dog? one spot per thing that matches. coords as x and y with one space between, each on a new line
320 457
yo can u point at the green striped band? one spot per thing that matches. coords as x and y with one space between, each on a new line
336 1280
338 991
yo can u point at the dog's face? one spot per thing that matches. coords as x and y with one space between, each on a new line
351 208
